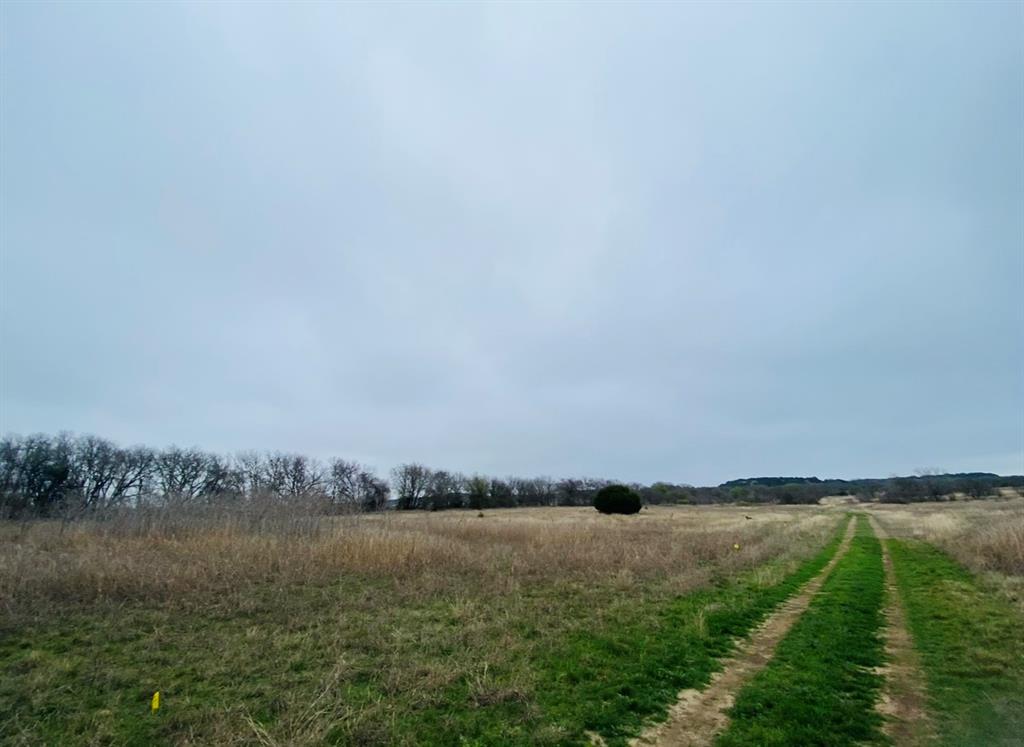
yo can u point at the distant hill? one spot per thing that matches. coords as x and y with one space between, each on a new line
770 482
931 487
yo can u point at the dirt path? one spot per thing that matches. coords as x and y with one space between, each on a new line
699 715
903 701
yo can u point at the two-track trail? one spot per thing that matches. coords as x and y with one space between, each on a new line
699 715
903 701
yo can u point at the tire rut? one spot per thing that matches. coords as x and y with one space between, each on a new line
699 715
903 703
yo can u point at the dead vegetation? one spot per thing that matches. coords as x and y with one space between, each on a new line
984 535
164 558
392 628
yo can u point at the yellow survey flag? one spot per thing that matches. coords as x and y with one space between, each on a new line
155 703
735 547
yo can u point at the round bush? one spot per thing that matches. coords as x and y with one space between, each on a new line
617 499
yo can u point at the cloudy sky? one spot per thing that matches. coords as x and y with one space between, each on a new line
684 242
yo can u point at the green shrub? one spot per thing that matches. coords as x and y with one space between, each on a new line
617 499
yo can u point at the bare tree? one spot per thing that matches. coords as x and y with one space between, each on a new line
36 473
187 474
444 490
105 475
306 476
343 484
250 471
353 487
374 492
410 482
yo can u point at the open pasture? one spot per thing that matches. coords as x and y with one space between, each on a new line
521 626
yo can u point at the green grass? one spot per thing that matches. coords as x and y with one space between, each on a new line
819 688
971 646
612 681
358 662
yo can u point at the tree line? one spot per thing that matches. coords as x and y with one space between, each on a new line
42 475
927 485
418 487
45 475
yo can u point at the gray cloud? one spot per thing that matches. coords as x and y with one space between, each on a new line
684 242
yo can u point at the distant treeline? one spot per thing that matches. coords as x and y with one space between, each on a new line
66 474
46 475
770 481
923 487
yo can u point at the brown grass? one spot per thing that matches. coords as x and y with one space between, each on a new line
983 535
137 558
298 629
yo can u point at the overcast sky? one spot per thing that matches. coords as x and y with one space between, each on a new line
671 241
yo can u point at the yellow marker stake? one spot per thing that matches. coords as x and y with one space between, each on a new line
734 547
154 704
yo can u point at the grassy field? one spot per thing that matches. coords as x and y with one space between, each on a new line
524 626
985 537
971 644
819 689
411 628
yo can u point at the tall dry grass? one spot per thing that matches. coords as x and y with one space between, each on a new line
983 535
179 556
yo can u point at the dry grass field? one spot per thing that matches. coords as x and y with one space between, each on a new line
983 535
180 559
986 536
521 626
375 629
959 569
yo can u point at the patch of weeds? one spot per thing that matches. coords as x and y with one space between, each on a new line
971 644
88 676
819 689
